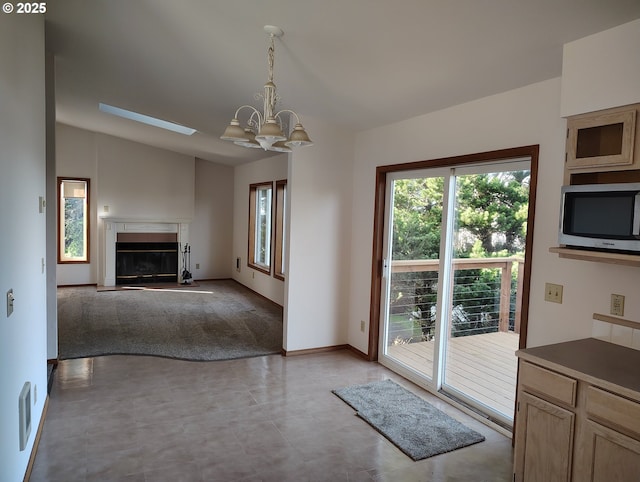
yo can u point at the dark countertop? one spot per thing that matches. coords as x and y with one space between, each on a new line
608 365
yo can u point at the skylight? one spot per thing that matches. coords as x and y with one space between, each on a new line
145 119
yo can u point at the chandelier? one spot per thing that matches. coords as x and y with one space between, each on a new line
266 129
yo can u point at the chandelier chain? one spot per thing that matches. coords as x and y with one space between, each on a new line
271 57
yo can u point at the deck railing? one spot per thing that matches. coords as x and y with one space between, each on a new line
471 316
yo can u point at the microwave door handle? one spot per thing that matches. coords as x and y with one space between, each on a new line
636 217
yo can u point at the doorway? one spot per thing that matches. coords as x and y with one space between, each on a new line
453 242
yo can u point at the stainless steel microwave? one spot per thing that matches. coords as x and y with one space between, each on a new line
601 216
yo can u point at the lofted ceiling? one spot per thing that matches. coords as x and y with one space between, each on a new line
356 63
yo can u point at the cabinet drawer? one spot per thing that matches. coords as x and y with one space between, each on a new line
550 385
614 411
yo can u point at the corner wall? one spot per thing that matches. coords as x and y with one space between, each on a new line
319 239
268 169
211 232
23 335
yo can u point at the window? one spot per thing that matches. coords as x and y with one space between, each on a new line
279 243
260 200
73 220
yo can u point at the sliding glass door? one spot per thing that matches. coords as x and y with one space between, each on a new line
412 253
453 255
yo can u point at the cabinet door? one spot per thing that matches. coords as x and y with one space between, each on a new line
601 140
609 455
544 441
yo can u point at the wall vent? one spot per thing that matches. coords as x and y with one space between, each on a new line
24 410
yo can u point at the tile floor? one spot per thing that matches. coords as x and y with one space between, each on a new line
136 418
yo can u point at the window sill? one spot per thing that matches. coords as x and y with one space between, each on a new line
262 269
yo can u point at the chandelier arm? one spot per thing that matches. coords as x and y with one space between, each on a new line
255 112
290 112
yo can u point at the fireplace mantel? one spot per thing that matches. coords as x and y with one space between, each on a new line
113 226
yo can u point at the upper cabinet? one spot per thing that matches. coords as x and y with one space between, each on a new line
603 142
601 139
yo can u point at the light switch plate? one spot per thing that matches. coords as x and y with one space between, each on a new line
553 293
10 300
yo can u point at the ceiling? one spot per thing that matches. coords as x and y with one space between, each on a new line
356 63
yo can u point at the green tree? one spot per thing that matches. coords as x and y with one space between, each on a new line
417 218
74 227
492 208
491 221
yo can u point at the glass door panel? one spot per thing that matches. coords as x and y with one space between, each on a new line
487 246
412 268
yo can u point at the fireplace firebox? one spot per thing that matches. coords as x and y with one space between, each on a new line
146 262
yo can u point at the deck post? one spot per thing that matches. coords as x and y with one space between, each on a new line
505 295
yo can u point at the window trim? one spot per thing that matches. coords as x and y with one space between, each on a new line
251 261
60 208
279 243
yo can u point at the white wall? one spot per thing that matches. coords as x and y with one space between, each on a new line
268 169
602 70
211 232
530 115
136 181
23 344
142 182
76 156
317 282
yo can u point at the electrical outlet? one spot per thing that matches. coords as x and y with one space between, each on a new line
617 305
362 326
197 265
553 293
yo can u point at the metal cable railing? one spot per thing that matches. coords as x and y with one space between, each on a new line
485 298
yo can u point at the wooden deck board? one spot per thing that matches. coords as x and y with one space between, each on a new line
483 366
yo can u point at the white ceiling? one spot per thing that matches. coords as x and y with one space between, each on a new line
358 63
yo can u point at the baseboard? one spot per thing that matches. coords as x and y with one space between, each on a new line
77 286
311 351
326 349
253 291
36 442
358 353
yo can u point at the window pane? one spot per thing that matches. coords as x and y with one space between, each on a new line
279 224
260 227
74 246
74 225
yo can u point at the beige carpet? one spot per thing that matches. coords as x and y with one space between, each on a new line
217 320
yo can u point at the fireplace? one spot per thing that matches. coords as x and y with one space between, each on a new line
147 247
144 258
146 263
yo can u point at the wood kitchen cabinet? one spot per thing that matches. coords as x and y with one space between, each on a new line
545 445
604 142
578 413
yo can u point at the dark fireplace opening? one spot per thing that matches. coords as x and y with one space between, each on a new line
146 262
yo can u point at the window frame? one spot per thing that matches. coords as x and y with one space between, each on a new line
253 232
60 217
279 242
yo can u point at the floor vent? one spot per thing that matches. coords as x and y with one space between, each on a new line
24 409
